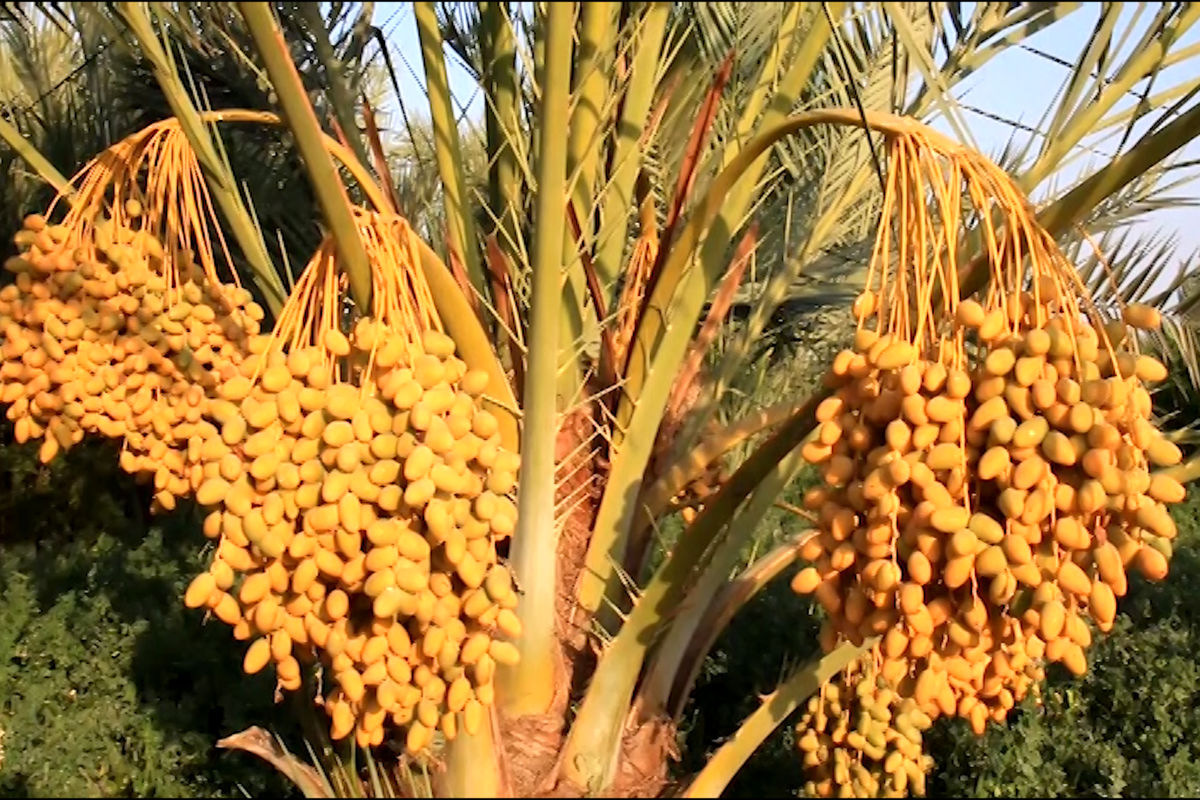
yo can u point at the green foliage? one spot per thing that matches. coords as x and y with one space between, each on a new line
109 686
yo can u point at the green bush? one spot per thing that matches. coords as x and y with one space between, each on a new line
109 686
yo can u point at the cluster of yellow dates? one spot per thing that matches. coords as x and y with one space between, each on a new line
988 464
859 738
978 502
357 523
97 339
358 486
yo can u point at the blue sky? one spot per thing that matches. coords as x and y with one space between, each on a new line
1016 84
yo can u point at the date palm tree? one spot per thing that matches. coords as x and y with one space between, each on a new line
642 168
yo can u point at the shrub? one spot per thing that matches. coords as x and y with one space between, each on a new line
109 685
